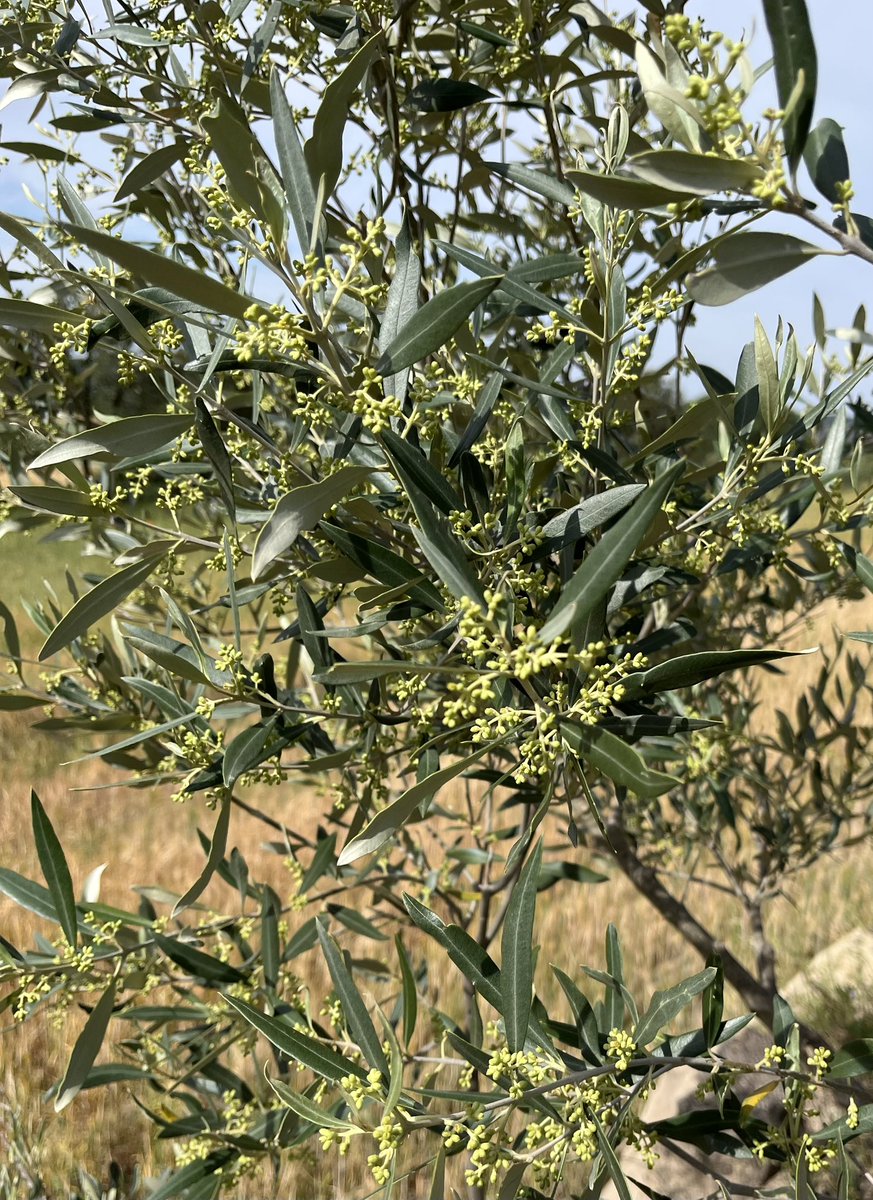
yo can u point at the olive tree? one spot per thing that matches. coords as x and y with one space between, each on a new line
353 339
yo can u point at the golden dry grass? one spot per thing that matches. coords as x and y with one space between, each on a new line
146 839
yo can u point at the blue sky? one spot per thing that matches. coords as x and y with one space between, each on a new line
719 334
844 35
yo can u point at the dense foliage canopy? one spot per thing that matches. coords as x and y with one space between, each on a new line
352 340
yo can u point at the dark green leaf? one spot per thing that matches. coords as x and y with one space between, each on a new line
145 307
150 168
446 95
557 872
514 283
271 908
860 564
384 565
324 150
512 1181
438 1179
613 1167
300 1047
356 922
666 1005
516 479
826 159
86 1049
783 1020
443 551
13 701
67 502
747 261
584 1016
54 868
130 436
695 668
615 759
768 378
167 272
713 1002
217 848
96 604
855 1058
484 405
216 451
409 992
302 509
355 1012
794 60
435 323
365 672
605 563
413 468
245 751
196 963
841 1129
323 860
516 975
202 1172
10 635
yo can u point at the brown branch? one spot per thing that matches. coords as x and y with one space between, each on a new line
647 883
850 243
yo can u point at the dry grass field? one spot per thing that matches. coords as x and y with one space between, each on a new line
145 839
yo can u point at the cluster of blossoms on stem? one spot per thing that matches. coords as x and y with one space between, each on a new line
69 337
271 333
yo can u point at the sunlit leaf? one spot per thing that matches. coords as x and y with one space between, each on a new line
402 303
96 604
324 150
216 451
300 1047
301 509
748 261
292 164
666 1005
434 323
388 820
130 436
166 272
354 1010
701 174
